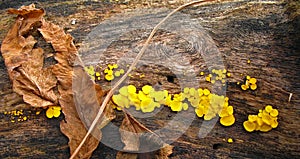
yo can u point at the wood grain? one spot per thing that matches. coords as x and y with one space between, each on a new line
261 32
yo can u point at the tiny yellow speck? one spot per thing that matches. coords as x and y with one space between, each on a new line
230 140
38 112
248 61
97 73
24 118
142 75
201 73
238 83
98 78
207 79
228 74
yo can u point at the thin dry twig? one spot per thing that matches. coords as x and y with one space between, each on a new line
114 88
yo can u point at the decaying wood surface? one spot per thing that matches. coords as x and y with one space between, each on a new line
267 33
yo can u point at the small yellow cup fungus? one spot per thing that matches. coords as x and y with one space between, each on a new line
206 92
53 111
244 87
117 74
249 126
109 77
199 111
230 140
207 78
121 101
121 71
227 120
274 113
253 86
176 106
147 89
131 89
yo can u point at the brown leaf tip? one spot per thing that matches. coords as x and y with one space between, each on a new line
25 10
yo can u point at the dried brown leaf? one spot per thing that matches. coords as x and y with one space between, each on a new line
25 64
29 16
164 152
72 127
15 47
79 94
137 138
60 41
34 82
88 97
131 131
125 155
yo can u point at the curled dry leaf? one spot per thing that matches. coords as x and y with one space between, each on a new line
88 97
137 138
25 63
74 83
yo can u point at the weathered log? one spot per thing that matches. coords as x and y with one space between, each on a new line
267 33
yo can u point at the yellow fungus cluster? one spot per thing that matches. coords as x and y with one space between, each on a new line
217 75
92 73
16 115
250 83
145 100
53 111
210 105
264 121
110 74
206 104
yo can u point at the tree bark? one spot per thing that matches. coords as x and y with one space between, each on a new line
267 33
